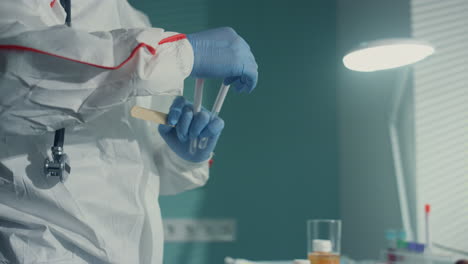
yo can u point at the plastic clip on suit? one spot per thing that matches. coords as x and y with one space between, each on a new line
86 78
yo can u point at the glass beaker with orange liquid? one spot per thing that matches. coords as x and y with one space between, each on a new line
323 241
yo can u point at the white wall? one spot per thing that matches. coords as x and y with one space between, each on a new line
441 110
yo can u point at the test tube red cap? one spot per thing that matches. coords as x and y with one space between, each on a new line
427 208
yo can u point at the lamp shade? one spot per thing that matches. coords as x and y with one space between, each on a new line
387 54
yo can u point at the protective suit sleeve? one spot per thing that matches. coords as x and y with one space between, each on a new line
55 76
178 175
175 174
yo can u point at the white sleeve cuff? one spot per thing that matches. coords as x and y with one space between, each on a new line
168 67
178 175
189 165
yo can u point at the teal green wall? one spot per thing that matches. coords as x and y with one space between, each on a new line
276 163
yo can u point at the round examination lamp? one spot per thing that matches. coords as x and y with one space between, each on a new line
387 54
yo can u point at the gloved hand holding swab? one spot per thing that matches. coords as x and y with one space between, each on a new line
161 118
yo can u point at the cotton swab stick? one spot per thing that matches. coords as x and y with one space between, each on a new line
197 104
216 109
149 115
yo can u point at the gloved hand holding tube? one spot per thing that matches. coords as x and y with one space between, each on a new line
189 126
218 53
222 53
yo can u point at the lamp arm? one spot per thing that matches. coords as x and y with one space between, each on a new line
396 153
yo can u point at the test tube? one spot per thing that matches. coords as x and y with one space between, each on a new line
197 104
427 210
215 110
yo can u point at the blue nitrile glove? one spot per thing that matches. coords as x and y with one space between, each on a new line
190 126
221 53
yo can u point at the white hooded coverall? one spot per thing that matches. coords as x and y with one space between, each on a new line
86 78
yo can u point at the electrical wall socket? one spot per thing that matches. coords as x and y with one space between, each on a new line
199 230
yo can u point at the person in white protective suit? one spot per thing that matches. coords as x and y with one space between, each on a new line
85 78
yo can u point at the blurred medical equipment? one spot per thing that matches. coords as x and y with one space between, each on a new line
59 164
222 52
343 260
197 105
324 241
389 54
216 110
401 250
413 253
406 257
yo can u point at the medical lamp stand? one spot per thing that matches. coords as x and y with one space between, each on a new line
396 151
59 164
398 162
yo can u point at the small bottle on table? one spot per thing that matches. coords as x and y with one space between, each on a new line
322 253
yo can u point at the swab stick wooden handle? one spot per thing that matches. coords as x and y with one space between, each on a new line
149 115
